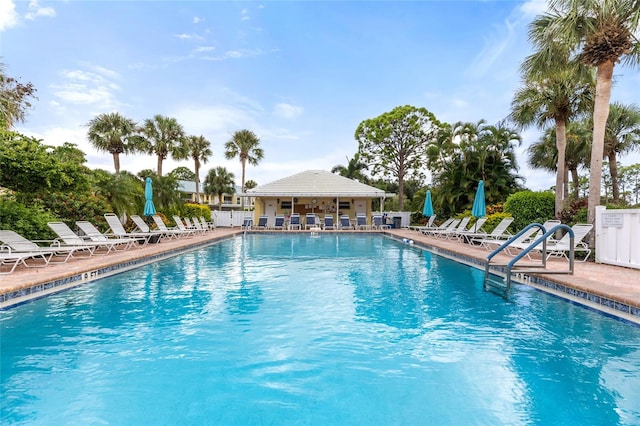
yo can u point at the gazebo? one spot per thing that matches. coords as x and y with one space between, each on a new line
314 191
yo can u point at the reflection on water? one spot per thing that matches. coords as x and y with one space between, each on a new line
338 329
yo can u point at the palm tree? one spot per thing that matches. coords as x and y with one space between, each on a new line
353 169
112 133
599 34
219 181
622 135
199 150
244 144
250 184
163 136
124 191
555 90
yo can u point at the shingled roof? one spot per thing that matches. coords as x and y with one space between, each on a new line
316 183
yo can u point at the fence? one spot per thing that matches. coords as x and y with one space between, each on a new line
618 237
406 217
230 218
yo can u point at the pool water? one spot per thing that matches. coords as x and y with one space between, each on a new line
334 329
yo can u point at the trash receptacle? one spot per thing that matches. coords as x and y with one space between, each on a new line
397 222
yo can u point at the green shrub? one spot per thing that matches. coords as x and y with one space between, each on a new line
527 207
30 222
197 210
70 207
575 213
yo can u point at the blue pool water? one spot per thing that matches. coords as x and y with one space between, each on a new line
337 329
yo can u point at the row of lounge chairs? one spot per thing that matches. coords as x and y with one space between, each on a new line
15 250
314 222
458 230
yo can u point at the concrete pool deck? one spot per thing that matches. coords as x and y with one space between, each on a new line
612 289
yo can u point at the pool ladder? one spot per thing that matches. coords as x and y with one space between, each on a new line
510 268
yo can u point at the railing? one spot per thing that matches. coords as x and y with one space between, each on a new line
509 267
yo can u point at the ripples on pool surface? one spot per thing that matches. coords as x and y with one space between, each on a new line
334 329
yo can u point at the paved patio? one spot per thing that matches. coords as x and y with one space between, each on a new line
592 284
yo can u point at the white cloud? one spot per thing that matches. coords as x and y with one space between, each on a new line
244 15
197 19
495 46
204 49
36 10
8 15
87 87
185 36
533 8
287 111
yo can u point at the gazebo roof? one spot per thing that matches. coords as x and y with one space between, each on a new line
316 183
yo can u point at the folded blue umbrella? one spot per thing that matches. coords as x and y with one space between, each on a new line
149 208
427 210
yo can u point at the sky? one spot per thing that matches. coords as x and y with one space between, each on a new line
300 74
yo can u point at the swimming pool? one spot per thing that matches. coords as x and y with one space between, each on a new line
334 329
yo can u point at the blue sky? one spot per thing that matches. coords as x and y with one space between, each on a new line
302 75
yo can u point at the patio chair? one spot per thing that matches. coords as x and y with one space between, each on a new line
142 226
16 243
450 228
15 259
247 223
453 234
210 225
378 222
429 224
95 235
310 221
328 222
164 230
560 248
118 230
279 223
67 237
425 229
201 226
294 221
195 228
345 222
473 230
499 233
262 222
181 227
361 222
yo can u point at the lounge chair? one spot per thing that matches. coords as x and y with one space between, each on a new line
560 248
472 231
67 237
181 227
429 224
294 221
361 222
201 226
95 235
262 222
195 228
247 223
499 233
328 222
279 223
14 259
156 234
453 234
345 222
210 225
167 232
118 230
450 228
444 225
16 243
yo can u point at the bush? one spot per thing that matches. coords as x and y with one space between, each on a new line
197 210
527 207
575 213
30 222
72 207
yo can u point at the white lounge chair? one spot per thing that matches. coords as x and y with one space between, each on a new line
67 237
429 224
560 248
96 236
167 232
118 230
499 233
473 230
156 234
210 225
426 229
16 243
15 259
453 234
450 228
193 227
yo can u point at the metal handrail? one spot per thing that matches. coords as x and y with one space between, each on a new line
542 239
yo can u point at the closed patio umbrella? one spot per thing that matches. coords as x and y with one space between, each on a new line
479 208
427 210
149 208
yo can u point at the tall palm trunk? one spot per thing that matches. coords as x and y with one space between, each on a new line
561 144
576 184
159 165
613 170
244 163
600 113
197 170
116 161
